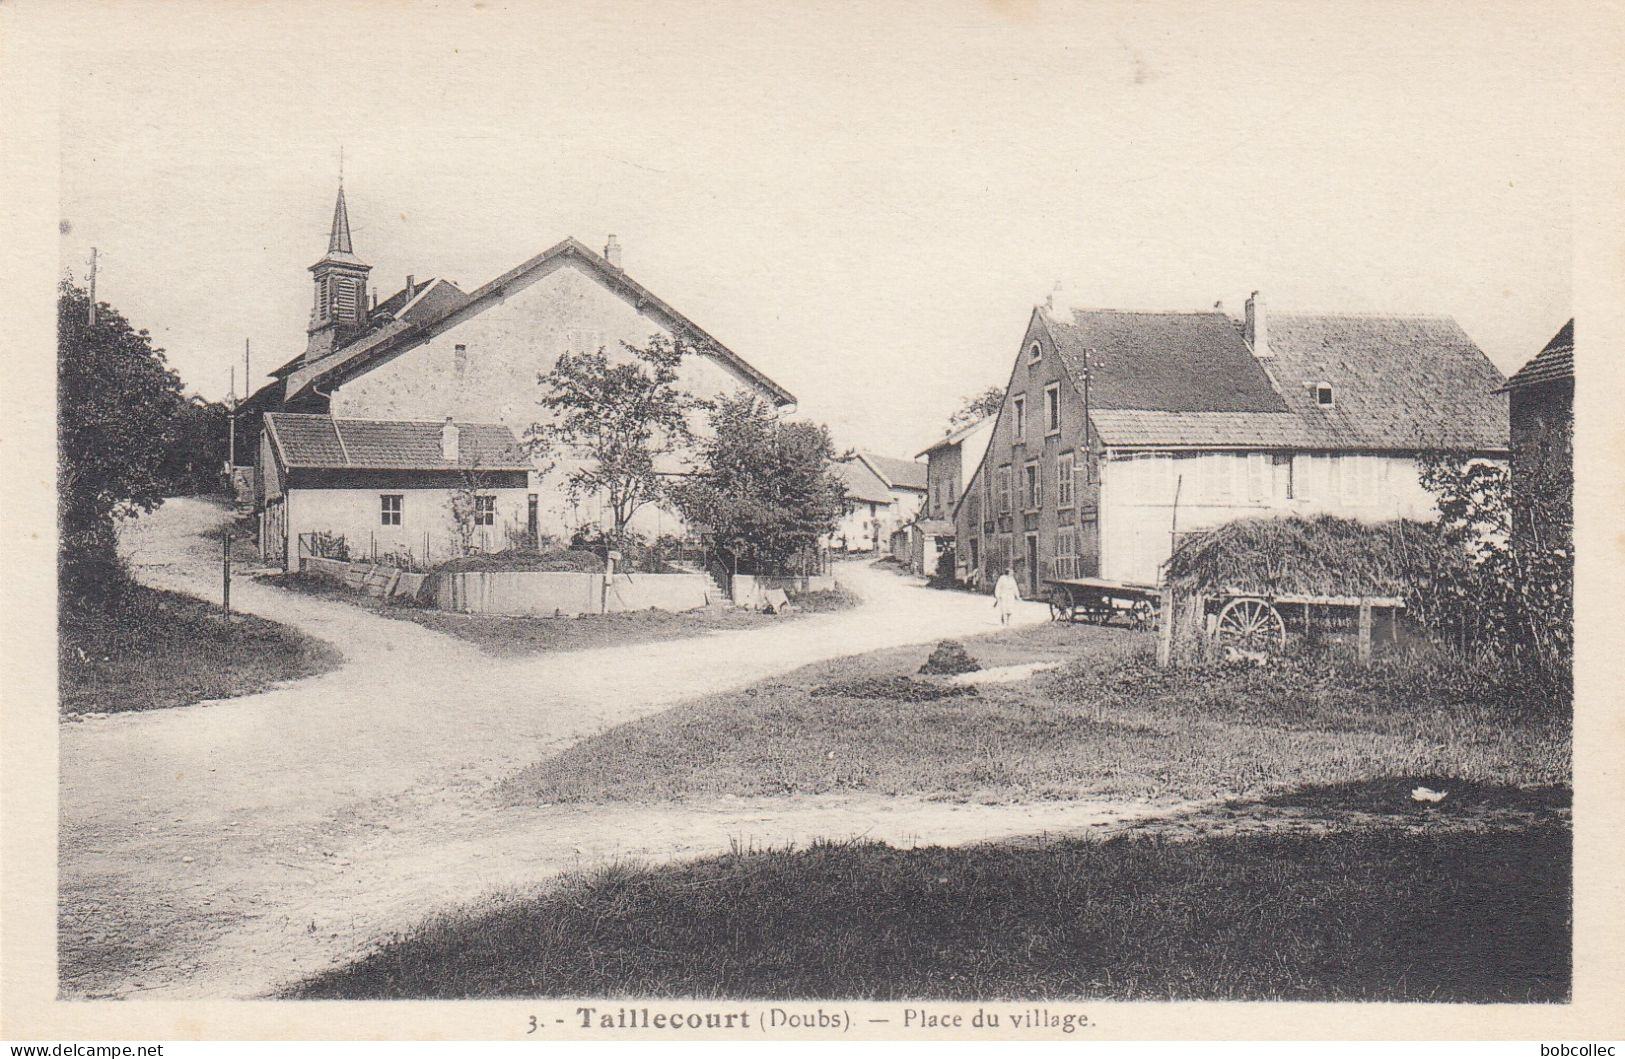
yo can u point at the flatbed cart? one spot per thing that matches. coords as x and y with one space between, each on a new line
1100 602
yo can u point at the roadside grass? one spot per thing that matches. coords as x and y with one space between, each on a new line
151 649
1108 724
523 636
1372 914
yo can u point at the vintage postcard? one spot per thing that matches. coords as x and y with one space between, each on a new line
1016 520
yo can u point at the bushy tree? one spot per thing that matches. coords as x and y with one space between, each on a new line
615 416
198 449
118 405
976 406
765 489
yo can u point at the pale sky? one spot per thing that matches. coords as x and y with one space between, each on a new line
864 201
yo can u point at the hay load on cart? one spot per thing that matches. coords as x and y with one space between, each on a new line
1261 579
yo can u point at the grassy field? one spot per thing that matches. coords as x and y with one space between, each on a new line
153 649
1106 724
1372 913
523 636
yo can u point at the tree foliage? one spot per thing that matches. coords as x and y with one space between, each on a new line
118 409
765 489
976 406
615 416
198 448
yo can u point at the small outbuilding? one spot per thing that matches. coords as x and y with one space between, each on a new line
373 488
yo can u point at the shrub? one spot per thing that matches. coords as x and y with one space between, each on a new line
950 657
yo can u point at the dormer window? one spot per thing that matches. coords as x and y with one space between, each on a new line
1323 395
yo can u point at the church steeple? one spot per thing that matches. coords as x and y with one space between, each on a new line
339 241
340 309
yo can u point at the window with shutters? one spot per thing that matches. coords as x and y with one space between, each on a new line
459 359
1004 489
1033 494
1052 408
1064 474
1066 553
1018 420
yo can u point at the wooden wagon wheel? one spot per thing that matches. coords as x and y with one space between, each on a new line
1251 625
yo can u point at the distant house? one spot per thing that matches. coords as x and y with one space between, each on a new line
431 350
883 495
950 463
388 487
1542 470
1122 431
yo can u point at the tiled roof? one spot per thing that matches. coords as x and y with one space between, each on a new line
1162 361
862 483
1129 427
1554 362
1398 382
355 358
318 441
899 474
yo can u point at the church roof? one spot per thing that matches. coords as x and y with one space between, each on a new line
365 351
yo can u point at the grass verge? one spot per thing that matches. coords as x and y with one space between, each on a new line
1107 724
150 649
523 636
1376 914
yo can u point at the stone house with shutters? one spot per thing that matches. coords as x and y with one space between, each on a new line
950 462
1122 431
883 495
431 351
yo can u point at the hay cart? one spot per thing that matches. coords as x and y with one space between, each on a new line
1100 602
1247 621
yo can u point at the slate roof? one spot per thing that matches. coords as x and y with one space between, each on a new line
1398 382
1162 361
1553 363
862 484
329 443
360 354
898 474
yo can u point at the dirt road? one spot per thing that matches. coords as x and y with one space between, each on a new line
224 849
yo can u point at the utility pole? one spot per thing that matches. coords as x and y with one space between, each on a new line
231 426
92 286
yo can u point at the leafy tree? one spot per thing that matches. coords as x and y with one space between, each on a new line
118 404
198 448
976 406
766 489
615 417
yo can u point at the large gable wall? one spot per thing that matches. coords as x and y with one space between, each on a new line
509 343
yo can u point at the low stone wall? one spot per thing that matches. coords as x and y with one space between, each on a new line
521 593
750 590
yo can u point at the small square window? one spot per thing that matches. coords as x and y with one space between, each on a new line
485 511
389 511
1323 395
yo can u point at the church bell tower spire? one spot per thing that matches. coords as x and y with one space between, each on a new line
339 312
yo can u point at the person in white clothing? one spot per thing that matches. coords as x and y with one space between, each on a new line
1005 594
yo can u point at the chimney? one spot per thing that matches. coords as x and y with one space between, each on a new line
1255 330
375 299
1059 304
448 441
411 287
612 251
